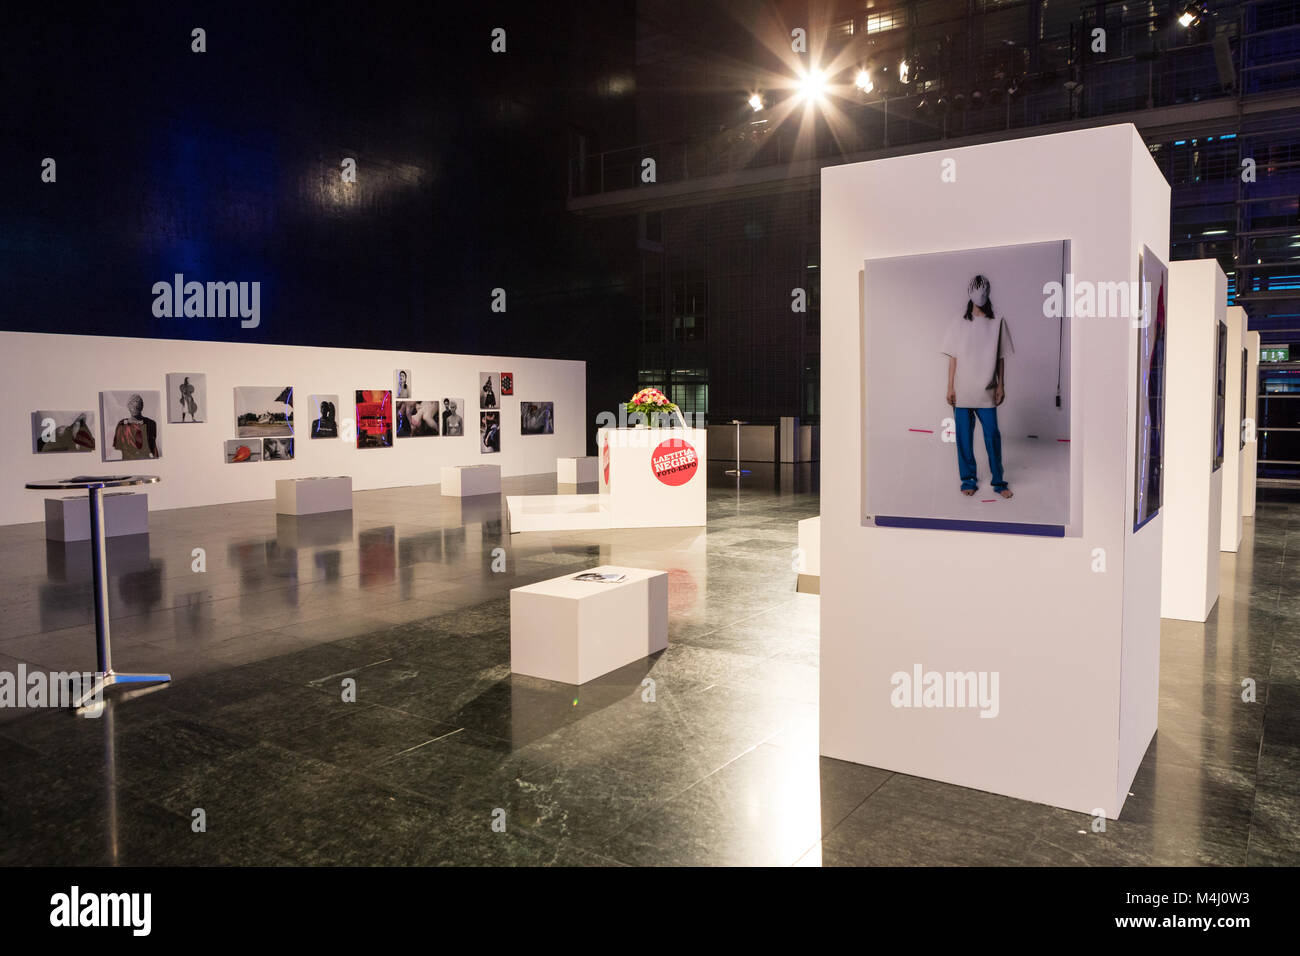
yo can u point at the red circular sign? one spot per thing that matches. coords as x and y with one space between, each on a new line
675 461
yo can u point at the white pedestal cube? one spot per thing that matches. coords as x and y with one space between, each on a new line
68 519
1193 487
810 546
577 471
575 631
1250 454
466 481
310 496
654 477
1230 525
1074 649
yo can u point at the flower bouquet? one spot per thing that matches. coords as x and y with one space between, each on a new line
654 405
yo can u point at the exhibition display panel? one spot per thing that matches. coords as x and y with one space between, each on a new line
1193 485
249 414
1230 525
986 640
1250 416
809 564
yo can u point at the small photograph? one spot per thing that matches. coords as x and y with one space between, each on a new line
264 411
133 418
374 418
536 418
324 416
63 431
600 577
489 386
489 433
507 383
403 383
453 421
417 419
187 397
239 451
277 449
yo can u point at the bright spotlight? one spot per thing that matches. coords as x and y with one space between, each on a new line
756 102
812 84
863 81
1190 16
905 71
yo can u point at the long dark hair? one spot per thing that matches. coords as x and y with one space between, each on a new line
970 309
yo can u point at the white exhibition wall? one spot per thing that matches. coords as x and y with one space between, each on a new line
1068 627
1230 524
1193 488
1250 454
68 371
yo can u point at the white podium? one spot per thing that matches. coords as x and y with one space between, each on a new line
1063 631
1193 491
575 631
68 519
466 481
1230 526
310 496
1250 454
577 471
647 478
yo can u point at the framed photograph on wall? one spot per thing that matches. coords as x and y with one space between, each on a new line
324 416
417 419
63 431
966 420
277 449
402 381
1245 412
374 418
1148 482
507 383
187 397
130 425
264 411
453 417
241 451
536 418
489 433
489 387
1217 427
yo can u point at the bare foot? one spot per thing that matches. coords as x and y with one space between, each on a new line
968 492
1005 492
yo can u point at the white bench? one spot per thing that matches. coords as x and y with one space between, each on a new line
68 519
310 496
465 481
577 471
575 631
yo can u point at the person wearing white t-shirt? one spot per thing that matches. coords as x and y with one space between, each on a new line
977 345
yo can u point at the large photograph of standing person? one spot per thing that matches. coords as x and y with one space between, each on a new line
967 390
489 385
453 420
1149 457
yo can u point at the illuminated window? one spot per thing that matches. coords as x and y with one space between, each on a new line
880 22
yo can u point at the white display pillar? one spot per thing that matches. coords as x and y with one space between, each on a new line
1250 454
1230 524
1193 490
654 477
1069 627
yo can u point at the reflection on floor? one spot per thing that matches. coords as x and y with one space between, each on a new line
713 760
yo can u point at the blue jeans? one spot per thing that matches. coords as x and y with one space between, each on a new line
965 426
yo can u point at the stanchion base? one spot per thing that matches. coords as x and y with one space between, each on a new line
105 681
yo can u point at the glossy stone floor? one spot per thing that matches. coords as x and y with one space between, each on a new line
712 760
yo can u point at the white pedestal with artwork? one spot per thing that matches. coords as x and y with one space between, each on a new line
1034 647
648 478
1230 523
1250 454
1193 492
310 496
810 546
577 471
575 631
465 481
68 519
